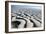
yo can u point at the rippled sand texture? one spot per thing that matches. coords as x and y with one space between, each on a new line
26 18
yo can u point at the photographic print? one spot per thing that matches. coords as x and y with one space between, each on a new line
25 16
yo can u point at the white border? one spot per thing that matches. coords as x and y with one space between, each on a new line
27 29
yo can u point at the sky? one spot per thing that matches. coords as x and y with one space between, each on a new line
15 7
